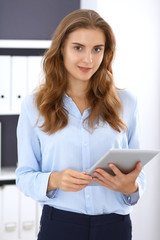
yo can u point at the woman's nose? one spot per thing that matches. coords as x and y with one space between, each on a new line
88 58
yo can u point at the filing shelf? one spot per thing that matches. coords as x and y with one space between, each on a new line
17 222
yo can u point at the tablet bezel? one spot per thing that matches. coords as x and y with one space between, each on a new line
124 159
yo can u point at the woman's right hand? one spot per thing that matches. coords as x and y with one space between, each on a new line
68 180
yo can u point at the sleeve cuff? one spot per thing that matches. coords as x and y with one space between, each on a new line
52 194
43 195
132 198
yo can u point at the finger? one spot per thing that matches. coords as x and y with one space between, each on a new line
105 184
104 176
86 176
137 170
81 181
139 166
80 175
99 181
79 178
70 185
116 171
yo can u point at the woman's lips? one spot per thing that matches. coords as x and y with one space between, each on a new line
84 69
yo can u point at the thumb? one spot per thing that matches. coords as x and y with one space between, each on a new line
138 169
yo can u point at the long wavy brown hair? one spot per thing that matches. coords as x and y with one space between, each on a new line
102 93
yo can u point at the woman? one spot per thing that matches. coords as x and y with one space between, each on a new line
73 119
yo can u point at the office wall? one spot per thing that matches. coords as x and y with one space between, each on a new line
33 19
136 25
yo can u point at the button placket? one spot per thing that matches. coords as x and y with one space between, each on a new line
86 165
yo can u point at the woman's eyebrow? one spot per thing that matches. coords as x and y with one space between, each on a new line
80 44
99 45
77 43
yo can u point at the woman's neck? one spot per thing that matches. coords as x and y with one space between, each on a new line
78 90
78 93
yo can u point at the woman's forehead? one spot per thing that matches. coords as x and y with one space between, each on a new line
94 36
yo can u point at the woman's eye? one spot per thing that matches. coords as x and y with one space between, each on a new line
78 48
97 49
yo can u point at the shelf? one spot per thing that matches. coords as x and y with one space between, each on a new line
22 51
34 44
7 173
23 47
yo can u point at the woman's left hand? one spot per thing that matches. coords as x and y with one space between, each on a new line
124 183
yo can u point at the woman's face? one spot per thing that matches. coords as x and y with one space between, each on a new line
83 52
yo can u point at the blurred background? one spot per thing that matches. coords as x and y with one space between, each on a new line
26 28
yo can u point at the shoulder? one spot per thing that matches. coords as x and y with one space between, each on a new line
29 103
126 95
128 98
29 109
130 105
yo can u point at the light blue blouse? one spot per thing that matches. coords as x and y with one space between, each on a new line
76 148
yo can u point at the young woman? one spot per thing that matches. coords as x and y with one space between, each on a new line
75 117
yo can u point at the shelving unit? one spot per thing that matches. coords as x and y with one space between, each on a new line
21 58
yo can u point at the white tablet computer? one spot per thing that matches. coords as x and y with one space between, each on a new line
124 159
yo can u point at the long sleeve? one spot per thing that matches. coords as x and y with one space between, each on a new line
29 177
133 135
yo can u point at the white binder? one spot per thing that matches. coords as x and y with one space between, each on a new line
9 211
19 82
27 217
34 72
5 78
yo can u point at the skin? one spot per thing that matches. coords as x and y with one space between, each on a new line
124 183
83 52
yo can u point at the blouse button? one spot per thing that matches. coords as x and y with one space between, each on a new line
85 144
129 198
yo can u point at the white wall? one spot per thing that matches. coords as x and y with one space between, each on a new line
136 24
